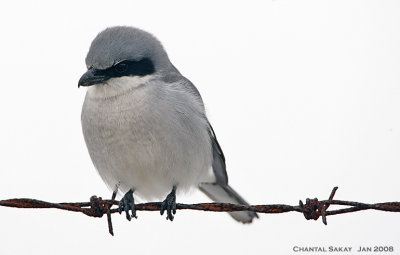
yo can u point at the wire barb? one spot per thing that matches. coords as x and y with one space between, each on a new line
313 209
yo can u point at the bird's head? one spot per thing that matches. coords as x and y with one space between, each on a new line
123 52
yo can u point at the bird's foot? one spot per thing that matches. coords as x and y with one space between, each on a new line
169 204
128 203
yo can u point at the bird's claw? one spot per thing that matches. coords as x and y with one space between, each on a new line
128 203
169 204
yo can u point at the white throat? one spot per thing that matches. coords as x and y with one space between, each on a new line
117 86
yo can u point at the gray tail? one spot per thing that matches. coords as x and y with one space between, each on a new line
225 194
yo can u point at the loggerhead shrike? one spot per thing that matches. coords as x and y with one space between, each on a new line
145 126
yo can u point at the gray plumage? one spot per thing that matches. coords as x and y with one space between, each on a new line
149 132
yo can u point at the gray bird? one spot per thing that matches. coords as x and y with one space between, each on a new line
145 125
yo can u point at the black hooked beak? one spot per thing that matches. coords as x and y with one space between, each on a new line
92 77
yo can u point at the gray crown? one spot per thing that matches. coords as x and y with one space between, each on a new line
119 43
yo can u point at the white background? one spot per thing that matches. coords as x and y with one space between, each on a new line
303 96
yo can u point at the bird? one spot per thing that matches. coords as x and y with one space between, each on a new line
145 125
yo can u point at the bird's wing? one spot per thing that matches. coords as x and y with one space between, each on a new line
218 163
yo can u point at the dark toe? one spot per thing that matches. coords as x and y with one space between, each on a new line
127 208
127 204
121 206
169 204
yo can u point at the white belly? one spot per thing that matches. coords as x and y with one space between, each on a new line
147 145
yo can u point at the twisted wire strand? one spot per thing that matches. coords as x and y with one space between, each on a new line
312 209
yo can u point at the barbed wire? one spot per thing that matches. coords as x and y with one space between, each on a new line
313 209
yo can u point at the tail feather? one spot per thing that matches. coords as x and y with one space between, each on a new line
225 194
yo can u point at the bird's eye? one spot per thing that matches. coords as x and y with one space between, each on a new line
121 67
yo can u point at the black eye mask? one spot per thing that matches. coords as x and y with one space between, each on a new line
124 68
128 68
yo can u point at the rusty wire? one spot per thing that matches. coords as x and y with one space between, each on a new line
312 209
